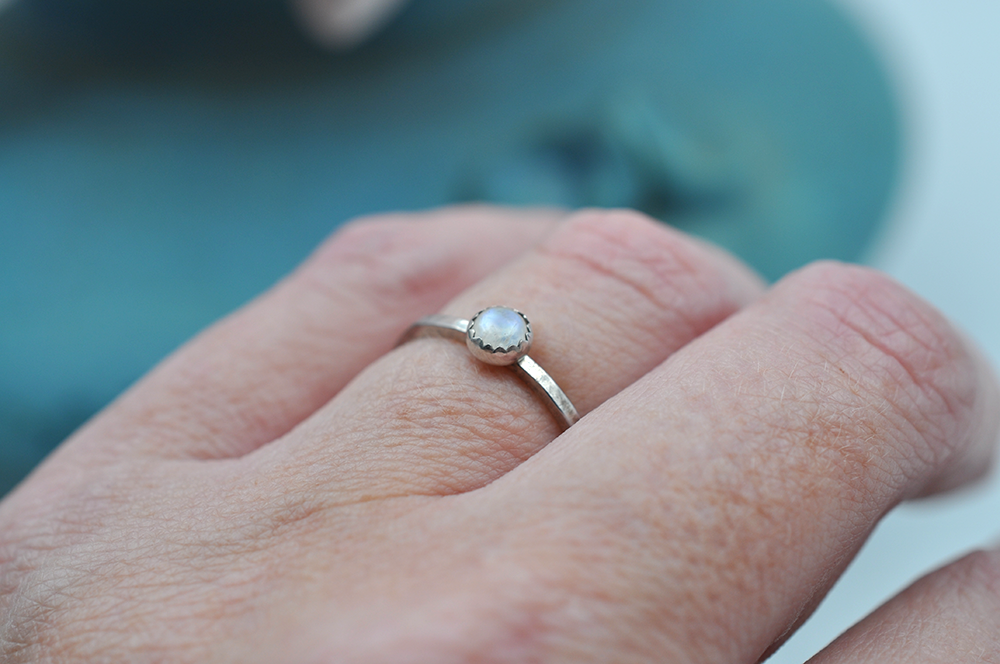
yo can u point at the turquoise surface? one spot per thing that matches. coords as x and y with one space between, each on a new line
162 162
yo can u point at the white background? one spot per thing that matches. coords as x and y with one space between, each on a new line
943 241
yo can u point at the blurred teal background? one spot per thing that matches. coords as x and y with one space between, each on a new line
161 162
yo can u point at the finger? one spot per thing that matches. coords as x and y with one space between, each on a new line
729 487
609 296
948 617
255 375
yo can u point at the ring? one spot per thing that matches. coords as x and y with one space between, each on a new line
500 336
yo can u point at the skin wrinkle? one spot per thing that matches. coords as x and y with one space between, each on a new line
913 375
394 261
24 624
483 440
797 419
628 244
409 395
872 309
683 320
102 616
807 417
401 268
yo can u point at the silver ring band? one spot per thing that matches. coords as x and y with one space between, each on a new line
462 329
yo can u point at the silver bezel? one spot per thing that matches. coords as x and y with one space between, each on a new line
498 356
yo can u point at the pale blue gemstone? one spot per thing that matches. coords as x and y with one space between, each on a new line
500 327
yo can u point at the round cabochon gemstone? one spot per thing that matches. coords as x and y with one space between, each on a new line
499 335
501 328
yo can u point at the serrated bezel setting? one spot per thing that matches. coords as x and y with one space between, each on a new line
499 335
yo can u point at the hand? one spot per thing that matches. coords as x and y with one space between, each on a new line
289 488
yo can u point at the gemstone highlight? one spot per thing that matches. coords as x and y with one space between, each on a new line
499 335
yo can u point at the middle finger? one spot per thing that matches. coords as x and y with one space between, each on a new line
723 493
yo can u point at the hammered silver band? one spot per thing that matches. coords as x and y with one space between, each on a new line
458 329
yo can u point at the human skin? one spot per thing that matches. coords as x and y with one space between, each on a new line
288 487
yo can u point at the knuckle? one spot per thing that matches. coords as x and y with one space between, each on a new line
387 258
647 262
894 352
363 235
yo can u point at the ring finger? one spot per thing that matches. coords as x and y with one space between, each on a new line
609 295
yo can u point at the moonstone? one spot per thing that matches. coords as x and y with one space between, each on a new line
501 328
